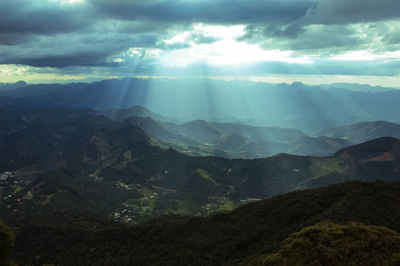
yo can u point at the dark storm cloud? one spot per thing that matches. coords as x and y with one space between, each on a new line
15 38
73 49
324 39
334 19
206 11
50 33
354 11
46 33
50 17
42 17
85 59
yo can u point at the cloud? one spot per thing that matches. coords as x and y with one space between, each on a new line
43 17
354 11
313 39
332 27
206 11
92 48
102 34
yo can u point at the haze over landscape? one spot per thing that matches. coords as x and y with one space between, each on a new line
191 132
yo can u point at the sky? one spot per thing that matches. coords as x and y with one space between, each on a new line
312 41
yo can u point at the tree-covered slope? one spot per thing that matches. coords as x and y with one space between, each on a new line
332 244
252 231
73 160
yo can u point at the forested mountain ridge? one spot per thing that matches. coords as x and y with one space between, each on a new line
69 159
247 235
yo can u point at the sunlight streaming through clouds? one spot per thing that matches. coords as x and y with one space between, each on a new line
226 49
228 52
211 37
68 1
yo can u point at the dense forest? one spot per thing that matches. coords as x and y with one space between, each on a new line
351 216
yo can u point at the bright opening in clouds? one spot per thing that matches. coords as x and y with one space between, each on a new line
68 1
223 48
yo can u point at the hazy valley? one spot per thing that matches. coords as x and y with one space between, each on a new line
112 168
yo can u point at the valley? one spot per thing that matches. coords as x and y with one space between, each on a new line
77 158
128 169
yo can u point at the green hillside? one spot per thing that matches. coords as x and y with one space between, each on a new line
68 160
251 232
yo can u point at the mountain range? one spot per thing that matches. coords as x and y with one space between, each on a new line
86 176
76 158
308 108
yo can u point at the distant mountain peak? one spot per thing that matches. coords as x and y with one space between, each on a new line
364 131
380 149
21 82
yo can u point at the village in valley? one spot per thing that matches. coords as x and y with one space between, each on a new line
15 191
12 191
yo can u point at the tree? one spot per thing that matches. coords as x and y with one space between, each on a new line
329 244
